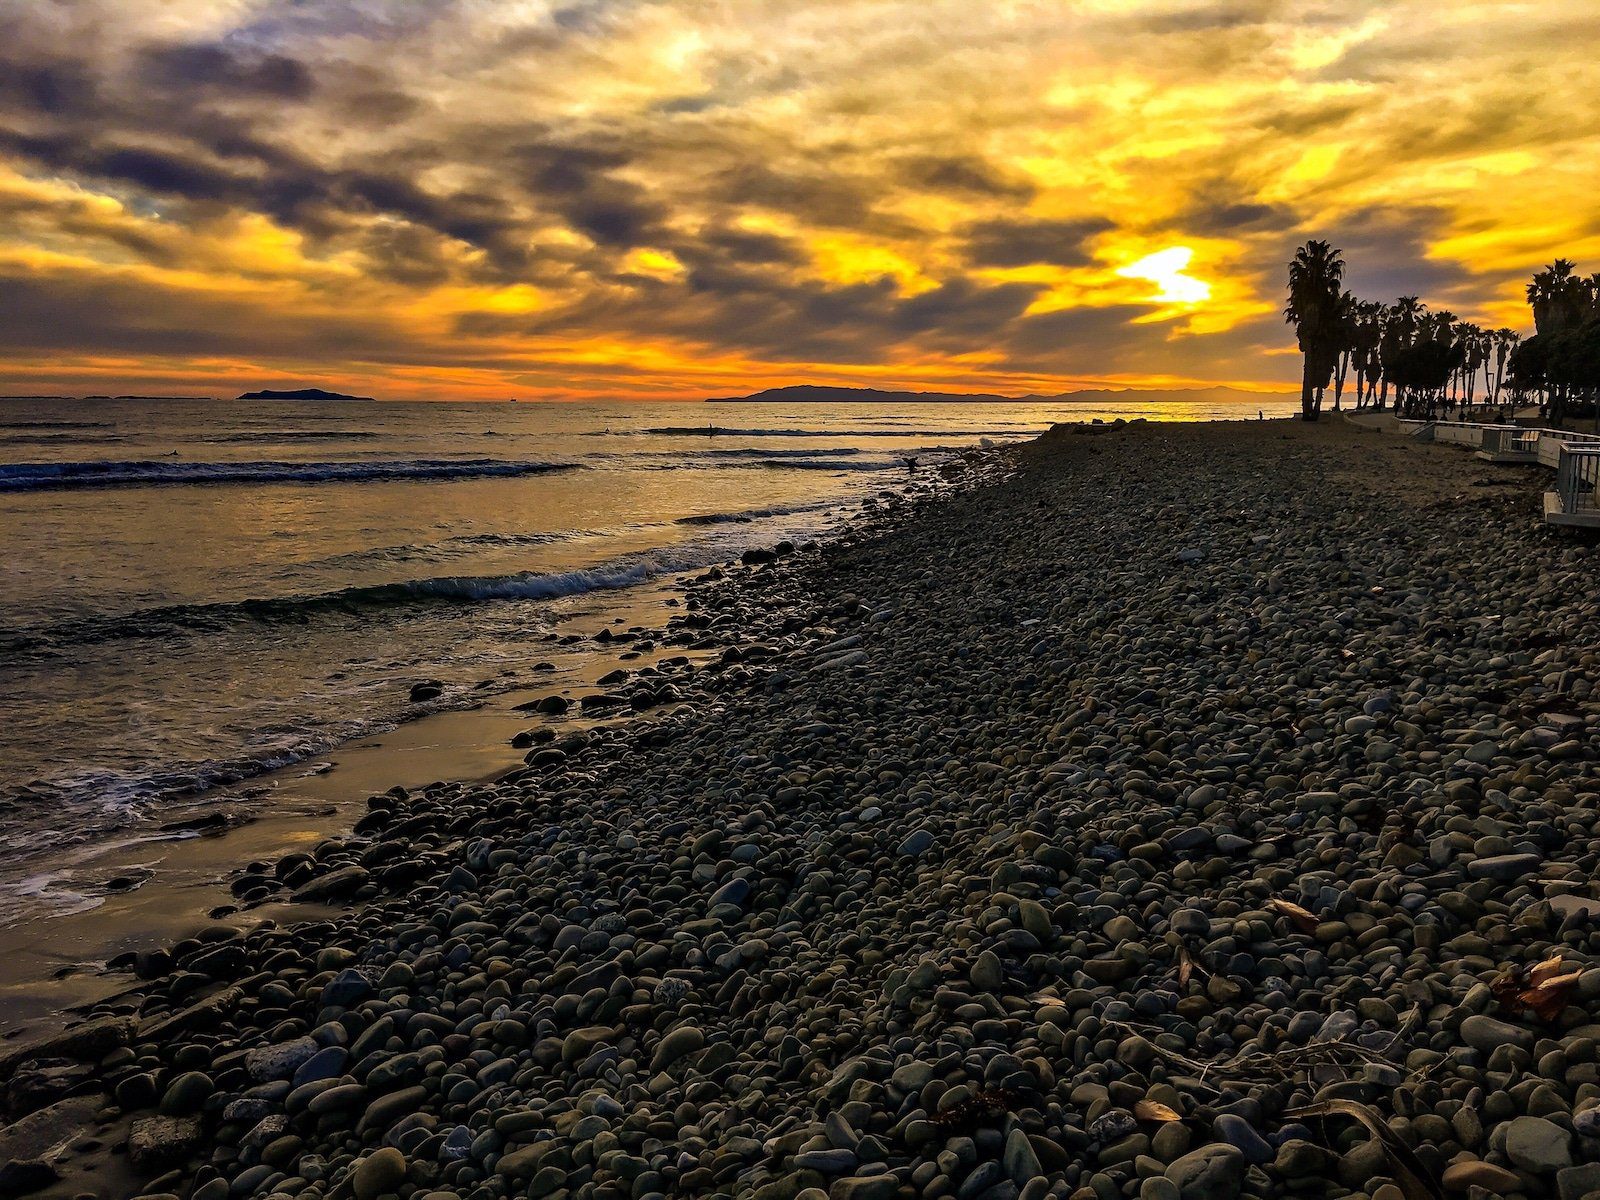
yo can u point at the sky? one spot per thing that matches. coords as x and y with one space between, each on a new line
572 199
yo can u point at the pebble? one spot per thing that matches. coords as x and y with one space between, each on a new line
379 1173
1538 1145
1213 1172
936 906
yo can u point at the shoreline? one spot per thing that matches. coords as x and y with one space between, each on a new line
180 885
998 821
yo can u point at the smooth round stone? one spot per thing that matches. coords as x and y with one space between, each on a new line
1242 1136
1213 1172
378 1174
186 1094
1474 1172
1538 1145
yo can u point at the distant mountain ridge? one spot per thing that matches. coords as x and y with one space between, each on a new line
808 393
299 394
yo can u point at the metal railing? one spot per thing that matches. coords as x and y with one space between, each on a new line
1477 434
1551 442
1578 476
1458 433
1510 439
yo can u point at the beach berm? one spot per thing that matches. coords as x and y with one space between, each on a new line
1171 812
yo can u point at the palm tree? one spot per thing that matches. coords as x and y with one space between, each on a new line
1556 296
1367 332
1344 345
1561 302
1399 333
1505 341
1316 289
1475 358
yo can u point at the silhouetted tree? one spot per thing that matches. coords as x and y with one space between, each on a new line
1505 341
1344 345
1366 334
1399 333
1316 290
1558 360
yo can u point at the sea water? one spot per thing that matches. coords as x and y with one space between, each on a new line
194 593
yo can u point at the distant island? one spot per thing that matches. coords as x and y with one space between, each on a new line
299 394
806 393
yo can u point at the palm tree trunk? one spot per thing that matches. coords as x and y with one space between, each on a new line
1307 392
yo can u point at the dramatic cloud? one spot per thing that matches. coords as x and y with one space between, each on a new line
665 198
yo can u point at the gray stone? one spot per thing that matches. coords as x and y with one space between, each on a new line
156 1143
1243 1137
1577 1183
280 1061
1214 1172
335 885
1020 1162
870 1187
835 1161
1538 1145
379 1174
1505 868
346 989
684 1040
1485 1034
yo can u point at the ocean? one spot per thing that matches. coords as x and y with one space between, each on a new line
199 595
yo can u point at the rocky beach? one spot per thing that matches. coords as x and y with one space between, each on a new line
1173 812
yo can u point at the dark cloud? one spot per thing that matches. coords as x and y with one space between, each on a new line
961 309
1226 15
52 89
579 184
973 176
820 197
200 67
125 315
1002 243
1045 336
1386 253
1216 210
744 246
163 171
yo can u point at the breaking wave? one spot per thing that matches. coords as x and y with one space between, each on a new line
39 477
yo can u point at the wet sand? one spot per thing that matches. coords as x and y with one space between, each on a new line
56 962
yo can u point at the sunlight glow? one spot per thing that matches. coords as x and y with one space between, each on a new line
1165 269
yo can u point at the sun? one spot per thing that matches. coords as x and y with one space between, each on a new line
1165 269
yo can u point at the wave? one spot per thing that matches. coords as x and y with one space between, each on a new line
293 435
730 452
100 801
818 464
451 547
749 515
754 452
53 439
57 424
169 620
837 465
722 431
73 476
